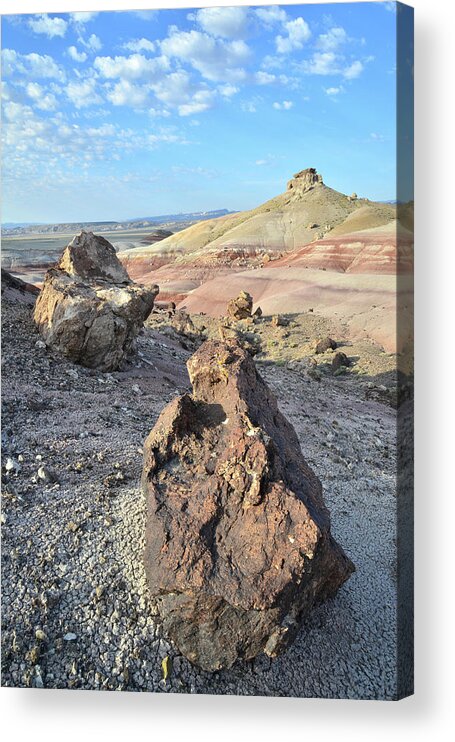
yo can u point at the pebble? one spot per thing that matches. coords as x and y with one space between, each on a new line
70 637
46 475
38 679
12 465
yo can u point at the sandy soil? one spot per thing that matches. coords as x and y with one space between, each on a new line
75 612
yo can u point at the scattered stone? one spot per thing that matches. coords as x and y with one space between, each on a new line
46 475
240 308
257 312
325 344
183 324
40 635
12 466
340 359
238 537
279 321
40 344
38 682
70 637
88 308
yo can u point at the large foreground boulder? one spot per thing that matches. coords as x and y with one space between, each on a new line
89 309
238 544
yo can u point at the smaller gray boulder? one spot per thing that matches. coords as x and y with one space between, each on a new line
88 309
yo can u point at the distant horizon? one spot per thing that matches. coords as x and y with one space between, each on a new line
138 218
112 113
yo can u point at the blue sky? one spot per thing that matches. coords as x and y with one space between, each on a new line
113 115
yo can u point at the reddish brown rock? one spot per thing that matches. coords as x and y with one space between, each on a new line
325 344
88 308
240 308
340 359
238 543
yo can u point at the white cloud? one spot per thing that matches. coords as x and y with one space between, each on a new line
125 93
322 63
353 71
48 152
249 106
215 59
332 39
377 137
331 63
139 45
22 128
134 67
44 24
264 78
298 32
201 101
178 91
273 63
31 65
105 130
93 43
83 94
267 160
77 56
175 89
286 105
168 136
228 90
44 101
230 23
158 112
83 16
334 90
145 15
271 15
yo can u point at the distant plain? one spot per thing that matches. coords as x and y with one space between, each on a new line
28 256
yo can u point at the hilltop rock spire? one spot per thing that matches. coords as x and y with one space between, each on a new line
305 180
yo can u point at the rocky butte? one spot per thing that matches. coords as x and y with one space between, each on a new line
88 308
238 542
309 246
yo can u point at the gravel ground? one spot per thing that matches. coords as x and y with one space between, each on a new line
75 612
